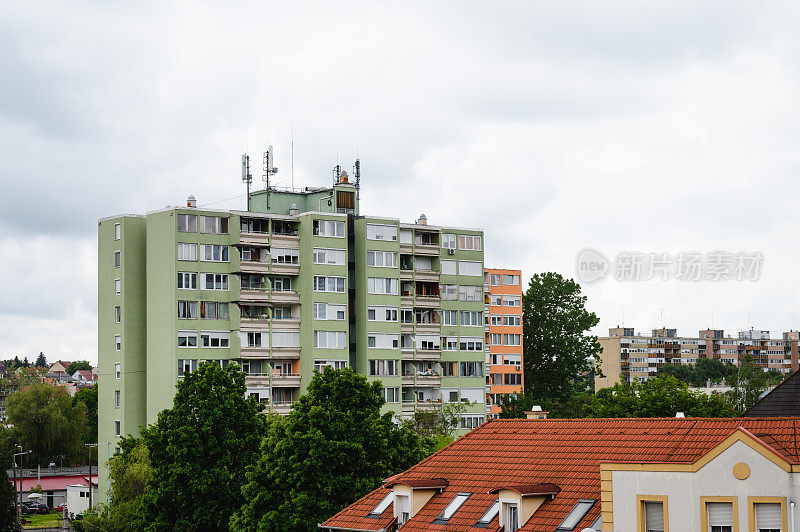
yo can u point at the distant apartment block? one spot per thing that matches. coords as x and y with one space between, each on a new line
503 315
299 282
633 357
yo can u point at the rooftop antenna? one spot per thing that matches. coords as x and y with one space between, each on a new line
247 177
357 174
292 169
268 168
661 313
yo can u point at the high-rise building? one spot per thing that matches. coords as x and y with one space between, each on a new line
503 314
299 282
630 357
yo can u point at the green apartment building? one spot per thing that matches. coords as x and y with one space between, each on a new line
299 282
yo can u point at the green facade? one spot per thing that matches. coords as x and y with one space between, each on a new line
270 327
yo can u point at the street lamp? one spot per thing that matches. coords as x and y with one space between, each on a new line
17 494
90 445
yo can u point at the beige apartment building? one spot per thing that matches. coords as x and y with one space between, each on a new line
628 356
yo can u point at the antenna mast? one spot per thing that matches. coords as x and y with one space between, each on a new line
268 169
247 177
357 173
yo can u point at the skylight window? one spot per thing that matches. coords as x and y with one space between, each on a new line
576 515
490 514
382 506
454 505
598 523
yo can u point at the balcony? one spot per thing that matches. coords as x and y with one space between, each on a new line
429 405
285 353
429 380
259 323
254 295
254 266
406 248
282 408
407 354
409 407
281 240
254 239
406 275
426 275
259 380
407 380
255 352
431 250
407 300
285 296
407 328
286 324
287 380
429 354
427 301
429 328
285 269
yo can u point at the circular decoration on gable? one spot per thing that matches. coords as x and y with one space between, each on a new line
741 471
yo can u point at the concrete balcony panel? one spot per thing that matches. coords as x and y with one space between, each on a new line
427 302
285 269
257 381
406 249
429 328
408 407
284 241
408 380
292 325
406 328
254 324
406 275
254 296
427 275
407 301
287 381
285 353
255 352
407 355
429 380
428 354
287 296
254 239
253 266
428 250
282 408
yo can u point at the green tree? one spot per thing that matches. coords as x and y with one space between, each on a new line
558 351
41 361
8 512
515 405
334 447
683 372
748 383
709 369
130 472
78 364
199 450
660 397
436 427
46 421
88 396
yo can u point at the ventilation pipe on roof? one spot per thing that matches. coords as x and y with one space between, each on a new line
680 415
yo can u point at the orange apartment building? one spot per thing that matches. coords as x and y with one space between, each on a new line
503 316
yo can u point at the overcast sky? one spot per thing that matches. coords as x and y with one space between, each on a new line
648 127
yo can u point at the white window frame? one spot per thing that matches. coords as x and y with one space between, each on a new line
117 231
188 335
321 256
387 259
325 337
320 364
287 339
512 301
323 227
474 318
218 253
386 233
449 267
118 286
221 337
187 251
118 342
325 282
374 284
215 223
117 398
183 277
471 268
449 240
117 258
224 281
383 340
393 396
117 314
468 292
118 370
448 292
470 243
329 311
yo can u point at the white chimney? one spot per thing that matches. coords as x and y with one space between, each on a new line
191 202
680 415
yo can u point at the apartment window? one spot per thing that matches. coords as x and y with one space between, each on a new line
282 284
215 339
470 243
329 284
320 365
253 339
768 516
497 359
448 292
117 398
449 267
511 301
214 281
719 516
490 514
382 232
383 368
328 228
470 267
652 516
285 339
118 370
449 369
406 315
580 510
382 286
212 310
383 341
472 422
215 253
402 508
512 320
117 314
187 338
187 251
470 293
450 343
118 342
449 317
330 256
117 231
327 311
471 369
117 259
511 339
214 225
511 279
471 344
471 318
494 279
117 429
513 379
495 320
186 366
117 286
452 507
391 395
285 255
496 339
253 282
187 223
379 313
187 280
428 343
382 259
249 225
187 310
495 300
330 339
448 241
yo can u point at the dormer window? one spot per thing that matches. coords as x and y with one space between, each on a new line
402 508
451 508
511 516
382 506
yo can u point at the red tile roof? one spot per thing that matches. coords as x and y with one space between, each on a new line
567 453
531 489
